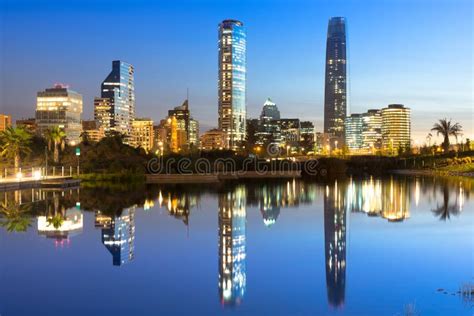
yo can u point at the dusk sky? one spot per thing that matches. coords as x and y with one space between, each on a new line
418 53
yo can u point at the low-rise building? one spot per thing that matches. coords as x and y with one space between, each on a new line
213 140
5 121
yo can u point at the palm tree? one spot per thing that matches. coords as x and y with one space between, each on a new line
446 129
15 142
57 139
445 210
15 218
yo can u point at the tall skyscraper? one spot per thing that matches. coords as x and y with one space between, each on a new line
232 83
119 89
335 94
396 127
59 107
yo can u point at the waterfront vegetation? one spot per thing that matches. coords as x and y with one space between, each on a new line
112 159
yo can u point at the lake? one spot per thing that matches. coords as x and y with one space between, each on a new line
373 246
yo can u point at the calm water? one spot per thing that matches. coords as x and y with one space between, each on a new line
349 247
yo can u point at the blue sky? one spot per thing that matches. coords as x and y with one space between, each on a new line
419 53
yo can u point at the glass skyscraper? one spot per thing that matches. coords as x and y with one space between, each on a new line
353 131
335 96
232 82
119 89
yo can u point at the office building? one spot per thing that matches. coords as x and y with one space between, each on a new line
103 113
119 89
372 131
232 83
335 94
396 128
59 107
353 132
142 133
269 111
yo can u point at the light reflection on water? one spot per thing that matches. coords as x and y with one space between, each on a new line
59 216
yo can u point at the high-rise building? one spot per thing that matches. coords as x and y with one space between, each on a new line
396 127
232 83
119 89
353 132
59 107
142 133
5 121
335 94
193 133
290 132
372 131
270 111
307 135
103 113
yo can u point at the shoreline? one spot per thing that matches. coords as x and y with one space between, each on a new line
415 172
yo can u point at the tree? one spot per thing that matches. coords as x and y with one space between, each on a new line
15 142
445 210
15 218
57 139
446 129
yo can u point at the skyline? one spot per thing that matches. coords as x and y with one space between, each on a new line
429 82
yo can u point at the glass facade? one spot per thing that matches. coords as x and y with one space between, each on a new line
59 107
119 89
232 82
372 131
353 132
270 111
335 97
396 127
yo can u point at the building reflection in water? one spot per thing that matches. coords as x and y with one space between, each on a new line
335 244
118 234
178 204
388 198
60 220
232 254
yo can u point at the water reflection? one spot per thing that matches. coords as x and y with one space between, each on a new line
335 243
60 215
388 199
118 235
232 223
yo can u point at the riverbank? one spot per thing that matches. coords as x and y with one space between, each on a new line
456 170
